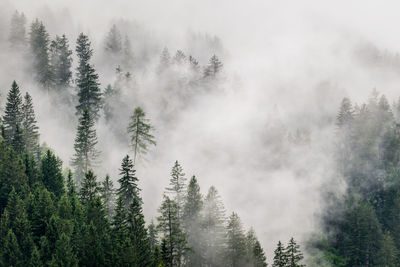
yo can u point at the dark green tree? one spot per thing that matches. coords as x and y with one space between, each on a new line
169 226
280 257
13 113
107 193
89 94
89 188
64 255
140 130
30 133
128 189
51 174
293 254
85 146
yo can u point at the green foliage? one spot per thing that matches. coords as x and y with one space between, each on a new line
140 130
12 118
89 92
61 61
51 174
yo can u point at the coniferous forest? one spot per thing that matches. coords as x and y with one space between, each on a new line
123 144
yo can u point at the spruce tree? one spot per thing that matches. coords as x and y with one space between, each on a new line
345 115
128 189
192 222
39 44
51 174
11 252
213 227
114 41
61 61
30 134
179 57
89 94
17 36
140 130
280 257
13 113
236 243
169 225
64 255
293 254
213 68
89 188
108 195
138 234
177 187
255 254
165 60
85 146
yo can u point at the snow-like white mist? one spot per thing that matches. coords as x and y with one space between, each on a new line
264 137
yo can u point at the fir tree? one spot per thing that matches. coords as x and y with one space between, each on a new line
280 257
236 243
61 61
107 196
39 44
293 254
192 222
89 93
213 225
345 115
64 255
29 128
51 174
11 252
17 36
179 57
89 188
140 130
113 41
128 189
255 254
213 68
177 187
85 146
35 260
13 113
138 234
170 227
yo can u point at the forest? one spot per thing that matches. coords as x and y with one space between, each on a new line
127 145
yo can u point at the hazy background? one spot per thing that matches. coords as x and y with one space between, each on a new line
287 65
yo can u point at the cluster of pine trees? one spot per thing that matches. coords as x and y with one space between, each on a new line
50 216
362 228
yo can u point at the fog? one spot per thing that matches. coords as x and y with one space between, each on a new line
287 65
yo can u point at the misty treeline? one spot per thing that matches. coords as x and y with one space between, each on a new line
362 228
52 216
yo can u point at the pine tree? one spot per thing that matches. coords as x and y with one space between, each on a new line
179 57
71 188
236 243
13 113
89 93
64 255
213 68
170 227
17 36
85 146
165 60
128 189
192 222
140 130
213 227
138 234
255 254
61 61
345 115
293 254
39 44
17 142
51 174
11 252
29 128
128 56
177 187
42 208
107 196
280 257
35 260
113 41
89 188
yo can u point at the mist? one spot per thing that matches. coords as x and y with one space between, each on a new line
287 65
